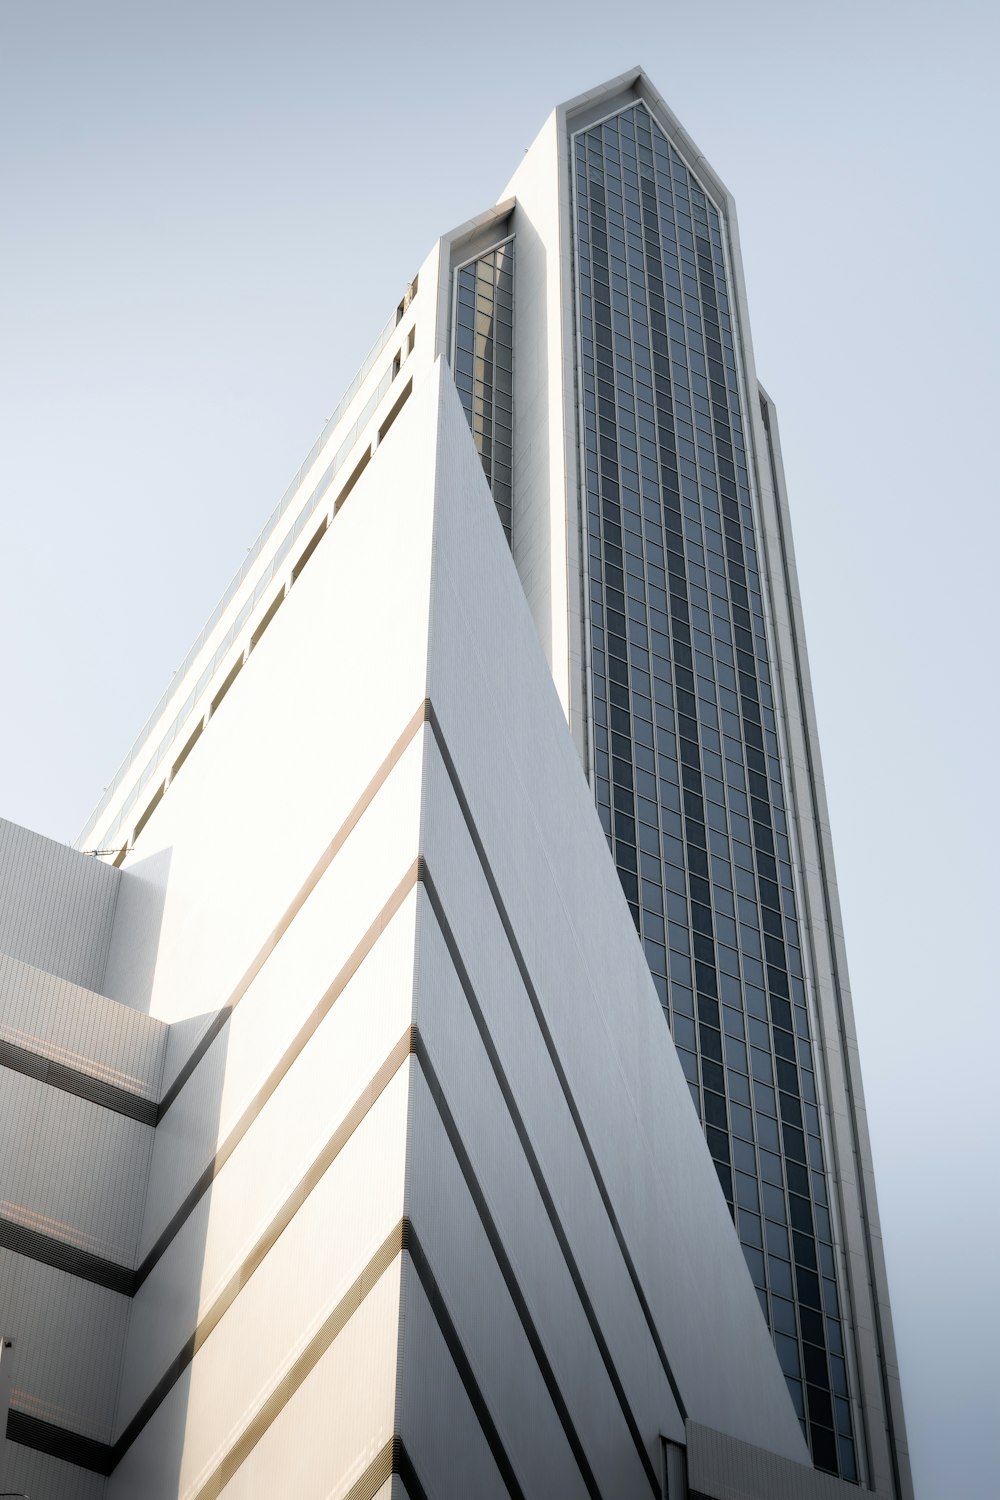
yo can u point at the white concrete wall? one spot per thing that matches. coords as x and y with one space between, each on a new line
270 560
278 1311
442 1435
497 703
290 749
294 745
282 997
492 691
546 527
542 836
449 1227
278 770
274 1155
339 1419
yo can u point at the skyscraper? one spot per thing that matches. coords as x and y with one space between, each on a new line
524 1150
686 682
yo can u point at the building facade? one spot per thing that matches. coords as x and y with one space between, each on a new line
379 1172
683 668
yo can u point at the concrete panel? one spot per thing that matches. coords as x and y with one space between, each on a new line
57 907
546 507
502 1168
70 1168
44 1478
434 1416
466 1270
80 1029
271 563
722 1469
276 1153
264 762
69 1336
342 1415
286 990
278 1311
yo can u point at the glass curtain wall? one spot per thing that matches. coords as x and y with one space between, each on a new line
689 782
483 363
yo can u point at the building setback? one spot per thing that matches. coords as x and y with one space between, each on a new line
345 1150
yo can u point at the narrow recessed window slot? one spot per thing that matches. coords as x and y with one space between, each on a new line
408 296
272 610
397 408
412 339
309 550
234 672
359 469
153 805
187 749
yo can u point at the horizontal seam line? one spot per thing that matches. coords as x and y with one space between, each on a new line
305 890
300 1369
293 1051
49 1250
116 1276
76 1081
101 1458
265 1242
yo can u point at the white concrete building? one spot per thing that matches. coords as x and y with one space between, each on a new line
345 1150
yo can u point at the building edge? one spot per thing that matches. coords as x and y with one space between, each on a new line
848 1129
879 1412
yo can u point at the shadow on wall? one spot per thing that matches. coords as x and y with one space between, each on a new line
131 964
533 500
102 1269
125 1379
174 1305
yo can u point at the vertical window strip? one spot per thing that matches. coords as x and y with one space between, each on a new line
483 367
688 782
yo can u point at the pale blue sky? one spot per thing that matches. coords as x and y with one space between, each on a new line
208 210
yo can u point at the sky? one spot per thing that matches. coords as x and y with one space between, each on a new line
208 210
